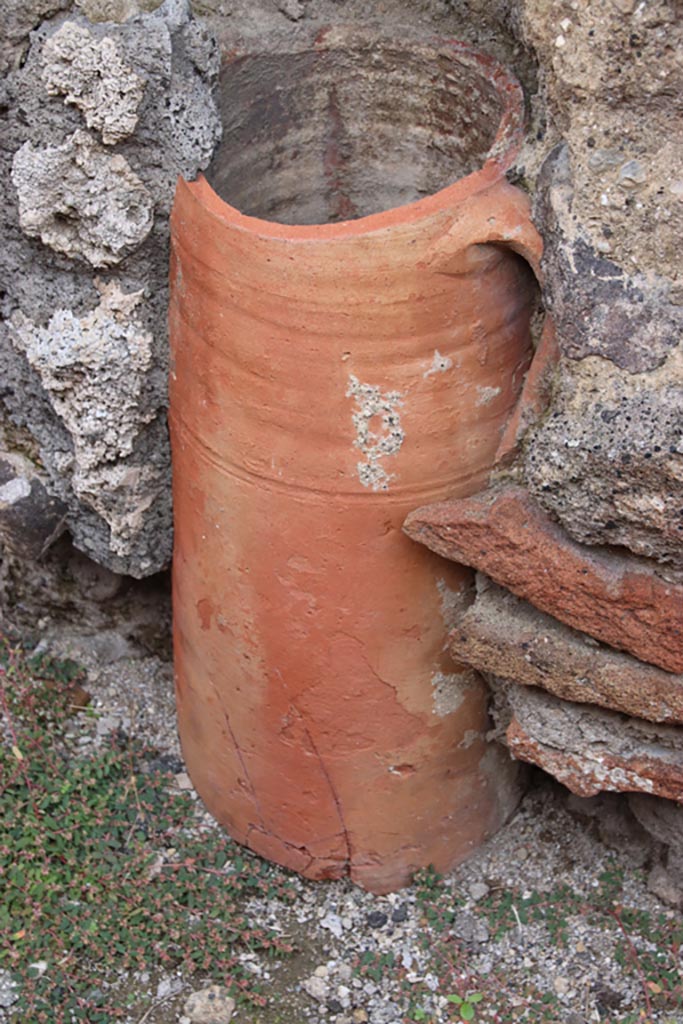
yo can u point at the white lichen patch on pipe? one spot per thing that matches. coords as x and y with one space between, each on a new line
486 395
378 444
449 690
439 365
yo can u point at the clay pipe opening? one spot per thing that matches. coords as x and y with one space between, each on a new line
345 129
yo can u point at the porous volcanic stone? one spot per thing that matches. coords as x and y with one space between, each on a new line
502 635
81 201
614 598
100 121
91 75
608 462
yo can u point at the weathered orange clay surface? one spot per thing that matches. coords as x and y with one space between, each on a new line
534 397
326 381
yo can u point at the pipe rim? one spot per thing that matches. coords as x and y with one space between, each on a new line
501 155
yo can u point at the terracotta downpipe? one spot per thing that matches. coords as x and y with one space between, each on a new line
327 379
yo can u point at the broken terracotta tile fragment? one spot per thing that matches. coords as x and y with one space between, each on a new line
505 636
615 598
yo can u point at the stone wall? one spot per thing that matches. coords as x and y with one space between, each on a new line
577 618
100 120
581 634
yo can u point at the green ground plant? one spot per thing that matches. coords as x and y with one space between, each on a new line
105 879
466 1006
647 946
101 874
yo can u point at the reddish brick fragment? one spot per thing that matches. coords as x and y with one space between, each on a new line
504 636
586 748
614 598
586 777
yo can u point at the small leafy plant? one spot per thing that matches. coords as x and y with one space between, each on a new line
647 947
101 875
465 1005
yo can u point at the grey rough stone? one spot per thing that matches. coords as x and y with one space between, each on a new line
211 1005
98 651
93 370
479 891
292 9
95 583
112 471
91 75
316 987
30 518
19 17
168 986
617 826
82 201
114 10
674 863
598 308
660 882
663 819
470 929
607 460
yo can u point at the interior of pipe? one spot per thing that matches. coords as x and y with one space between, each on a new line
329 135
